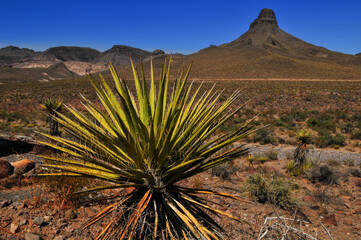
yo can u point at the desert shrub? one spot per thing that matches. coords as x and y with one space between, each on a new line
354 172
349 162
275 190
61 190
149 141
356 117
339 140
224 170
322 195
324 139
323 173
322 122
333 162
347 127
263 136
271 155
356 134
293 171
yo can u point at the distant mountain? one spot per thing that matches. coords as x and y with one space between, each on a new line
12 54
82 54
67 61
266 51
120 55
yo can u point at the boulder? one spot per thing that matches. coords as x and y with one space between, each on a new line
23 166
6 169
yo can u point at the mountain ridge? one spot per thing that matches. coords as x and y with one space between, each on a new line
264 51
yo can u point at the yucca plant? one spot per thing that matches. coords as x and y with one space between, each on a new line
299 155
148 143
52 107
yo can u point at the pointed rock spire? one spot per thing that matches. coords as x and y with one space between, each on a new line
266 18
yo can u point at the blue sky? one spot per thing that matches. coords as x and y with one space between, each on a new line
174 26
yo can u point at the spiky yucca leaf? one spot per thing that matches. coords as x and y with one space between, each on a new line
148 143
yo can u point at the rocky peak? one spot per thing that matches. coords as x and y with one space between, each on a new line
266 20
10 50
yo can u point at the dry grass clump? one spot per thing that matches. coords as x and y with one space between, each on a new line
323 173
273 189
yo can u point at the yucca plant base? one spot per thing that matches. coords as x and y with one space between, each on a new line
148 143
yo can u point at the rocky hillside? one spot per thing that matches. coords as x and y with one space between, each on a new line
67 61
266 51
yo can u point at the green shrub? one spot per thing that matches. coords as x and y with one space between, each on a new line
347 127
354 172
275 190
271 155
263 136
323 173
293 171
357 134
339 140
224 170
324 139
322 122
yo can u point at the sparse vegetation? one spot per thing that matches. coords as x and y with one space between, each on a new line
293 171
323 173
224 170
275 190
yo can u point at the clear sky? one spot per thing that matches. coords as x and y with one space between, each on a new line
175 26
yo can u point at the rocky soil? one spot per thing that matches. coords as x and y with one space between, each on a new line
28 210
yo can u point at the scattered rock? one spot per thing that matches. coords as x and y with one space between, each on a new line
59 237
14 227
30 236
5 203
23 222
330 220
48 219
70 214
39 221
6 169
23 166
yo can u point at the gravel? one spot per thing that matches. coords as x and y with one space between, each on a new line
315 154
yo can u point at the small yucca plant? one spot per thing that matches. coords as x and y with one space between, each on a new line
149 143
299 155
52 107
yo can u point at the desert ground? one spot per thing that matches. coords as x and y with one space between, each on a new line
321 203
